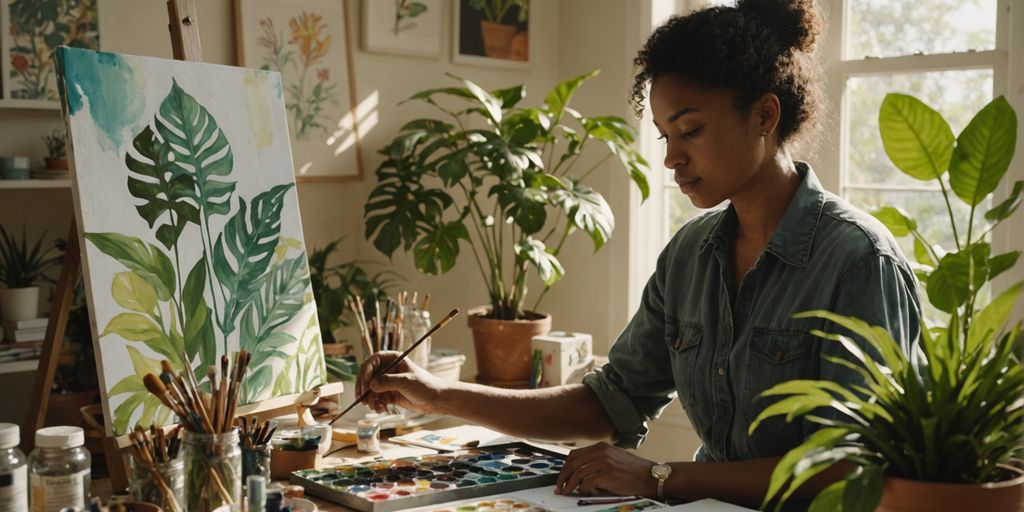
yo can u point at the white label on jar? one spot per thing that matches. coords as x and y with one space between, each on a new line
52 493
14 489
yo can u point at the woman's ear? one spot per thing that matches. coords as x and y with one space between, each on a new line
767 111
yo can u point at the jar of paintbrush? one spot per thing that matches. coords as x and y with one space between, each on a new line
256 447
157 473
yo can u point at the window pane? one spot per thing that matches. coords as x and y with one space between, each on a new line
889 28
957 95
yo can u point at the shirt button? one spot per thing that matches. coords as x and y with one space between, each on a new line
677 344
778 356
721 371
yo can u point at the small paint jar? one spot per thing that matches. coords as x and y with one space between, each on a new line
59 469
256 461
13 470
368 436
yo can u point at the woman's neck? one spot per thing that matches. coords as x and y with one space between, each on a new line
763 202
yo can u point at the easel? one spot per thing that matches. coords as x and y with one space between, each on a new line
184 30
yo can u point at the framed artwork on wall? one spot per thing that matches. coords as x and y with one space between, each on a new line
30 31
309 42
492 33
403 27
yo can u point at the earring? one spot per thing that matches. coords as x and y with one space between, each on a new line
764 133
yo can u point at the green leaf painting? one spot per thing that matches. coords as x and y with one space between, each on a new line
192 254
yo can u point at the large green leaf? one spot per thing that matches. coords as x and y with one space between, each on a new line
830 499
510 96
1008 206
1001 263
250 236
526 205
952 281
133 293
137 327
558 98
899 222
163 187
916 137
863 489
588 211
282 294
549 269
491 105
988 323
399 207
199 337
983 152
438 250
199 148
148 261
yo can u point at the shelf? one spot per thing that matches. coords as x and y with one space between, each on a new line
30 104
27 365
28 184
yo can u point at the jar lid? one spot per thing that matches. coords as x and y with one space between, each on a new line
10 436
60 437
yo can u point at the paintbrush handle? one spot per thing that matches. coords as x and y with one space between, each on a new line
397 360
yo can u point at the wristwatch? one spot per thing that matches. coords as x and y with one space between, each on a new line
661 472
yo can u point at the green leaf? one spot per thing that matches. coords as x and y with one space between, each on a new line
1001 263
1006 208
510 97
983 152
199 337
863 489
282 295
588 210
398 206
916 137
491 105
526 206
428 95
437 251
133 293
830 499
256 385
148 261
558 99
453 169
989 322
899 222
123 412
167 192
549 269
136 327
250 237
921 253
199 148
951 282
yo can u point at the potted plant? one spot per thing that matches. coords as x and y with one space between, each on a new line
935 430
55 149
21 269
498 35
333 285
503 179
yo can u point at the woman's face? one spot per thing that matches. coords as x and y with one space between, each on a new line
714 150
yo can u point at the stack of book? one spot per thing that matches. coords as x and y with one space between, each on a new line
25 331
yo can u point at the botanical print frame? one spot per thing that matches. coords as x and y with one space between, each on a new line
191 236
404 27
30 31
309 43
491 33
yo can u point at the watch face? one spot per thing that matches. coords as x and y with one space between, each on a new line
661 471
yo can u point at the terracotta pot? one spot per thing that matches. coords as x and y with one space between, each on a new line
497 39
337 349
901 495
503 347
520 47
56 163
19 303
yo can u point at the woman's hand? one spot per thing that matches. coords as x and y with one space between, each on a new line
407 385
603 467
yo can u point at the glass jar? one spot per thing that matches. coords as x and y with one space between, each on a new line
256 461
13 470
213 470
417 323
368 436
59 469
143 488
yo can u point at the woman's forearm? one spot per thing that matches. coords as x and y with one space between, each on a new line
562 413
741 482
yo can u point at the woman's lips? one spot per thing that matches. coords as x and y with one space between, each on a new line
687 184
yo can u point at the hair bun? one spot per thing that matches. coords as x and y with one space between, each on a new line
796 23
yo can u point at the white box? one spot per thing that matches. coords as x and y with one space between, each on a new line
565 357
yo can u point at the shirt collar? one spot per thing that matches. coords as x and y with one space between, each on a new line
792 239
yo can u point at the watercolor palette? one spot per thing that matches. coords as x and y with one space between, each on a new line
488 505
386 485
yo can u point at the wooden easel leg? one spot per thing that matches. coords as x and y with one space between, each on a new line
116 465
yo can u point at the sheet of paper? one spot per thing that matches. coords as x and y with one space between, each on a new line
454 438
708 505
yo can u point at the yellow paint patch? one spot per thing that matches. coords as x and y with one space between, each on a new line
257 92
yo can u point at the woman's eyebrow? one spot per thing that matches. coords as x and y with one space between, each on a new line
682 112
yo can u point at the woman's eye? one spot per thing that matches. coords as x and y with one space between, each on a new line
693 133
663 138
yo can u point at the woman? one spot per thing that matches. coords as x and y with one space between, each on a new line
730 88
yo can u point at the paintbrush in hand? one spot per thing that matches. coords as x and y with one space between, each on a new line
397 360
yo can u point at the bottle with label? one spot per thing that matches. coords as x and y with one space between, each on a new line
59 469
13 470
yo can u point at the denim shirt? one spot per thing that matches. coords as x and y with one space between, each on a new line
718 350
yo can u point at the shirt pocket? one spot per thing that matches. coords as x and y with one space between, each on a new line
683 343
775 356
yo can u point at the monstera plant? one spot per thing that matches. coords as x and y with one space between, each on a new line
504 180
934 429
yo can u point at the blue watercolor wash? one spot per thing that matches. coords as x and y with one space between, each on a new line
112 88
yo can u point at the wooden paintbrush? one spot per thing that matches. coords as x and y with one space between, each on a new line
397 360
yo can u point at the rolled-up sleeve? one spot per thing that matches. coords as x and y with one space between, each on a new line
636 384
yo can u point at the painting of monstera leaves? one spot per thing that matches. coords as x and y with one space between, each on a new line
185 196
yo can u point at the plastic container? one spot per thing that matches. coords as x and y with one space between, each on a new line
446 363
213 470
59 469
13 470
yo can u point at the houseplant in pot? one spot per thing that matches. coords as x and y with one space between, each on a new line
938 428
56 158
497 30
22 267
503 179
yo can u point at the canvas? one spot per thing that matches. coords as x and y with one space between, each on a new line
192 242
308 42
31 30
405 27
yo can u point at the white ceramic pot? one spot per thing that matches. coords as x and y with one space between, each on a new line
19 303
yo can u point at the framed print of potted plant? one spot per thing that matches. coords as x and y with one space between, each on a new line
403 27
492 33
310 44
22 269
29 32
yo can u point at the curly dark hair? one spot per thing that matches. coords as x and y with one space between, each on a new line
757 47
